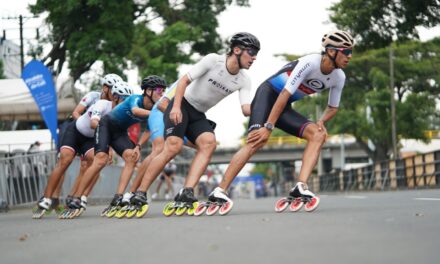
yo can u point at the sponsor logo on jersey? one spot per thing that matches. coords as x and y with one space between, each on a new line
219 85
316 84
298 75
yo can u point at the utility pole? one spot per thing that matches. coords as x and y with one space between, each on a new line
20 24
393 105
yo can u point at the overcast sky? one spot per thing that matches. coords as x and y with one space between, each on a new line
283 26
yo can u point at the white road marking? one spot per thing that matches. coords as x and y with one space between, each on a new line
355 197
427 199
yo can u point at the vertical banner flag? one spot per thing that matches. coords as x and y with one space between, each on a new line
39 81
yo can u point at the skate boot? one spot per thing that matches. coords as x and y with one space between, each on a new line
125 205
114 206
43 206
218 200
56 206
83 203
184 201
139 205
154 196
73 208
298 197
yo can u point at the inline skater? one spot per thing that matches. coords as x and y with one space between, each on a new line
208 82
88 100
271 108
78 138
112 131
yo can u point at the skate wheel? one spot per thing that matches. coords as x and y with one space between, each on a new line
281 205
63 214
60 209
312 205
38 213
226 208
121 213
110 213
131 212
144 209
296 205
104 212
200 209
169 209
191 211
212 209
180 211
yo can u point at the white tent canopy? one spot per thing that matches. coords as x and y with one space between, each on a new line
17 103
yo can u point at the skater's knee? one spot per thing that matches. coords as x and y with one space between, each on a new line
206 142
173 145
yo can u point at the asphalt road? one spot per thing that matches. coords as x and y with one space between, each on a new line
389 227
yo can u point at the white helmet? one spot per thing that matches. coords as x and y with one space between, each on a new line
122 89
337 39
111 79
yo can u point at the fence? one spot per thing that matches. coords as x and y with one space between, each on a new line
23 178
419 171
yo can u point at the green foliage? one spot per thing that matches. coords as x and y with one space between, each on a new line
156 35
2 76
377 23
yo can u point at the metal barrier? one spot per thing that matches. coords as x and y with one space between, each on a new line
23 176
419 171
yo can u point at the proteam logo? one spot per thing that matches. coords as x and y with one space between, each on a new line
316 84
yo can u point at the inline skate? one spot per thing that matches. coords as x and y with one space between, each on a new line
218 200
73 208
138 205
183 202
43 206
125 205
298 197
114 206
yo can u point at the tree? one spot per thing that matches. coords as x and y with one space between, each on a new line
2 76
111 31
377 23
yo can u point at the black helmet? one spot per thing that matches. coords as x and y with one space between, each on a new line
245 39
152 82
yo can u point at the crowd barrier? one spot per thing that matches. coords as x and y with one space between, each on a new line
418 171
23 178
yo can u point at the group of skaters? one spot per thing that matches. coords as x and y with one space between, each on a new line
176 117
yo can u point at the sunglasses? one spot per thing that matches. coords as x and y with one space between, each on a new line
345 51
251 51
159 90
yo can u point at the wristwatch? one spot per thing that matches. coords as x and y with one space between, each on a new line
269 126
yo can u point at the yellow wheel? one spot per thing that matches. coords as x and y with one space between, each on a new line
130 213
180 211
191 211
110 213
143 211
121 212
169 209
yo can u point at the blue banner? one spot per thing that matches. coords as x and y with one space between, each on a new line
39 81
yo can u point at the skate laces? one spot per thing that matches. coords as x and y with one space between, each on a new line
304 189
116 200
219 193
45 203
